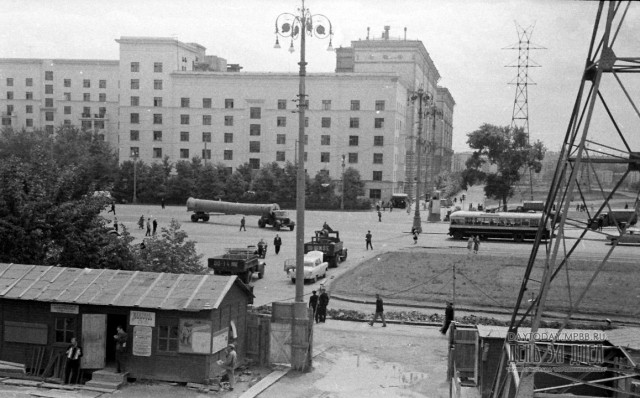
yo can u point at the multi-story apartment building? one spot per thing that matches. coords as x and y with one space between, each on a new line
168 98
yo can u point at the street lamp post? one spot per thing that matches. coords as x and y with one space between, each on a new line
342 196
294 26
134 155
422 97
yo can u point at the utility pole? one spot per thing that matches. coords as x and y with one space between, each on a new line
342 196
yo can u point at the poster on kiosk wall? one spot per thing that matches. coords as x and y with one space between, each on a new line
194 336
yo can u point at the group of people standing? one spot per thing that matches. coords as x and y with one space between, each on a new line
473 244
319 305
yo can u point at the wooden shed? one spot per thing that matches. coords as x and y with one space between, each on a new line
177 324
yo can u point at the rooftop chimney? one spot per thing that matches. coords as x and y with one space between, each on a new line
386 32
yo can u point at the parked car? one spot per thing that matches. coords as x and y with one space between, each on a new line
314 267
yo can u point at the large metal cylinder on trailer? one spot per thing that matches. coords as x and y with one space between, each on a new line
215 206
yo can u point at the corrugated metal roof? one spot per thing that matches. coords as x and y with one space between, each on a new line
544 334
624 337
184 292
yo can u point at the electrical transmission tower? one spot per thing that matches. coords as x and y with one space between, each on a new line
602 131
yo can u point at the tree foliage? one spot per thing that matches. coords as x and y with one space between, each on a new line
511 154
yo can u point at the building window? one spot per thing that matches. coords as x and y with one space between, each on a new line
184 102
184 119
206 120
28 95
325 157
206 154
305 156
86 97
354 122
86 111
228 120
135 67
135 101
228 138
306 121
135 84
353 140
282 104
228 103
281 121
184 136
184 153
29 82
157 153
254 129
29 109
326 105
379 122
48 116
378 140
228 154
29 122
48 102
306 139
67 122
254 112
65 328
206 137
355 105
380 105
9 95
377 176
134 151
102 84
157 135
157 118
102 111
102 97
157 67
6 121
167 337
9 81
67 110
134 135
206 102
375 193
67 96
48 129
254 163
48 88
48 75
157 84
9 109
377 158
254 146
325 140
280 156
281 139
326 122
134 118
86 83
353 157
157 102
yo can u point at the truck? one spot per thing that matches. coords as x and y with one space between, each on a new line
328 242
621 217
238 261
270 214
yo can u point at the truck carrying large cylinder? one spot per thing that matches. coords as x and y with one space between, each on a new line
270 214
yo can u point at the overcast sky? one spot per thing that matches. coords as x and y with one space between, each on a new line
464 38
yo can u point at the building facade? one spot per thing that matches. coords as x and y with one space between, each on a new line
164 98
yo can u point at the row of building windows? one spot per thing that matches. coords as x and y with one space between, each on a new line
102 97
185 102
48 76
157 67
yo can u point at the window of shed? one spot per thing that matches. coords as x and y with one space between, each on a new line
65 329
167 338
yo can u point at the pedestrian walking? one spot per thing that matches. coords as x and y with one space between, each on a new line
323 302
313 304
162 203
155 226
379 312
148 227
229 365
470 244
448 317
121 346
414 232
277 242
367 238
113 208
141 222
242 225
379 216
262 248
73 355
476 244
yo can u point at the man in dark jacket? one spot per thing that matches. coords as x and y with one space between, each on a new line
448 317
73 355
379 312
323 302
277 242
121 346
313 303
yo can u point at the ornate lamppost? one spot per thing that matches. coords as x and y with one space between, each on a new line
423 97
296 26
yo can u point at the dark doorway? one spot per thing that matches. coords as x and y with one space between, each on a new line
113 321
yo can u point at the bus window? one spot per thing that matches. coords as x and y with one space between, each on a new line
468 220
534 222
517 222
485 220
478 221
494 221
525 222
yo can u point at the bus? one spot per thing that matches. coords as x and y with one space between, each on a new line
399 200
516 226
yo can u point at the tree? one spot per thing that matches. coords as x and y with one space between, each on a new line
353 187
171 252
321 191
509 151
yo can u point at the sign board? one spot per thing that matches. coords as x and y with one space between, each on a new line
219 340
142 318
194 336
142 338
65 308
